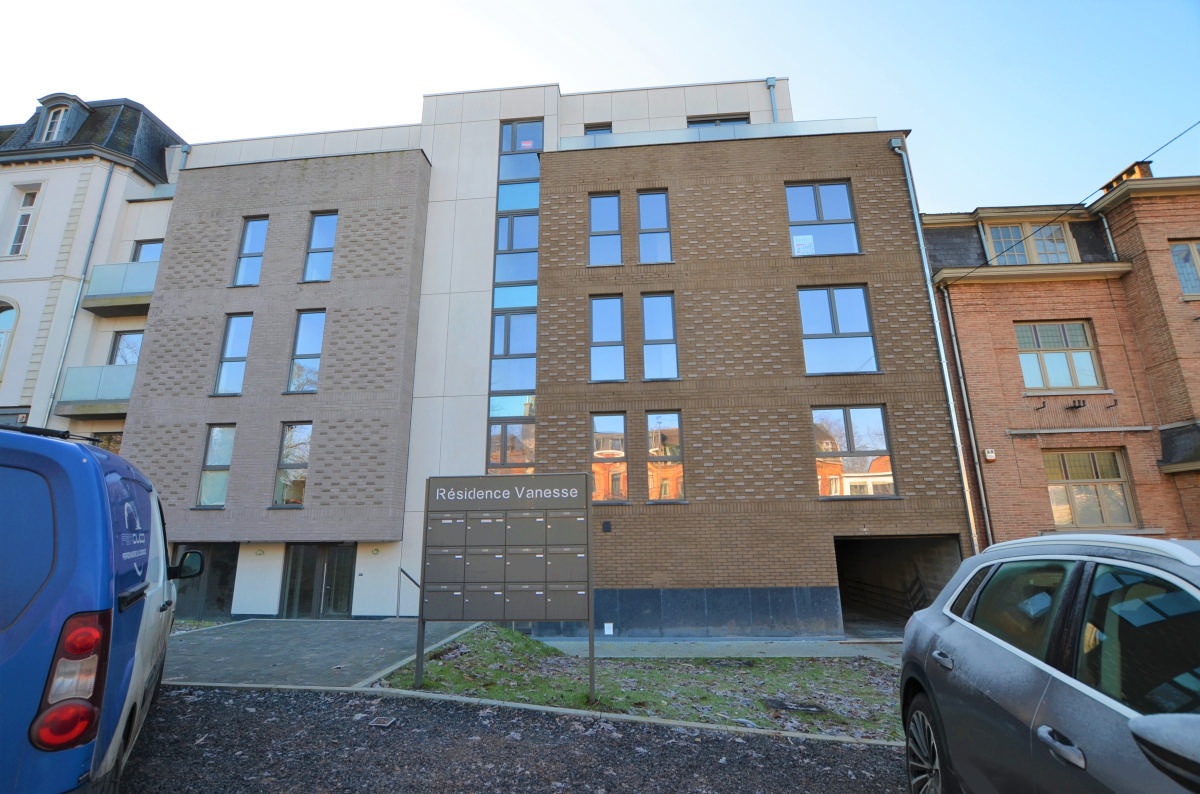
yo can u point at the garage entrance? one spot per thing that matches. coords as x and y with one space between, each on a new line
883 580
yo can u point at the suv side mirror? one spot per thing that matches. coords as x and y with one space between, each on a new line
192 564
1172 743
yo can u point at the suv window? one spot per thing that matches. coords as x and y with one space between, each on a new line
1138 643
29 555
1019 602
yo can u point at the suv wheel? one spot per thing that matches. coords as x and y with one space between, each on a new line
923 752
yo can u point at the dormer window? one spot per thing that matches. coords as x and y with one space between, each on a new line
1030 244
54 124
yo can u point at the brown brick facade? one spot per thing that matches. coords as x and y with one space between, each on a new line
360 412
752 515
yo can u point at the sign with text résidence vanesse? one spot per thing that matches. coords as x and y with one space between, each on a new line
510 492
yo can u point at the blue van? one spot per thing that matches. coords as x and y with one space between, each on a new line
86 606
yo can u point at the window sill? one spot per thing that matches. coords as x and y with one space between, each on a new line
1191 296
594 382
851 372
668 502
607 264
286 507
667 262
613 503
289 393
662 380
314 281
241 286
226 394
1063 392
207 508
818 256
863 498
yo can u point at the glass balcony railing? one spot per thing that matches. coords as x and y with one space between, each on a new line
121 288
112 383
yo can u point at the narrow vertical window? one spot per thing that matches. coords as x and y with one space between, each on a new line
852 452
511 447
54 124
24 221
664 457
249 263
232 369
8 319
608 340
610 470
837 331
292 474
658 344
654 236
1186 257
604 244
214 475
306 355
126 348
318 264
514 352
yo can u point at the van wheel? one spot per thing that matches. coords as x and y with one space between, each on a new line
924 750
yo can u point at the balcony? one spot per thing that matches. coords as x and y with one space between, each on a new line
120 290
96 392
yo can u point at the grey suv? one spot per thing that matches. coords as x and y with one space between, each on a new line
1060 663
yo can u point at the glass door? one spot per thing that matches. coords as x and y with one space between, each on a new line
318 580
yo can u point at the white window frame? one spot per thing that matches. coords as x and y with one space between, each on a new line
1023 247
23 219
55 123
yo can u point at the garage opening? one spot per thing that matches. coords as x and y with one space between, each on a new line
883 580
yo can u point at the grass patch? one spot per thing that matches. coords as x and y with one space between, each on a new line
851 696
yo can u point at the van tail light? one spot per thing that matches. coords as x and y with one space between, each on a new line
70 710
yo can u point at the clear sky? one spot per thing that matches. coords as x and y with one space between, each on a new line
1009 102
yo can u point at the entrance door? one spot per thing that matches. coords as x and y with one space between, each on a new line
318 580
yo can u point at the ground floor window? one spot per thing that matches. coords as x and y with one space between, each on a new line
1088 488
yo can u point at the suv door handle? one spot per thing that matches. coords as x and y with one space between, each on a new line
1061 747
944 660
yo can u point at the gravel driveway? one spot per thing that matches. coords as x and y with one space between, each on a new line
247 740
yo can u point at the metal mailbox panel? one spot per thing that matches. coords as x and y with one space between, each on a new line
443 602
526 528
485 565
566 564
446 529
567 601
525 565
444 565
524 602
484 602
485 529
566 527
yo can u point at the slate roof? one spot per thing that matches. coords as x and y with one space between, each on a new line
116 129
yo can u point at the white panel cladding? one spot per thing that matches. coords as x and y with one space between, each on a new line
377 579
468 345
259 579
430 378
439 247
473 250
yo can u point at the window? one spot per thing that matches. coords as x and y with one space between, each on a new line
664 457
109 441
214 475
1138 643
610 470
654 239
822 219
232 369
292 474
1029 244
1057 356
147 250
597 129
658 346
604 244
1187 265
852 452
514 352
521 136
719 121
126 348
837 331
8 320
1019 602
318 264
249 264
1088 489
511 447
54 124
608 340
306 356
25 214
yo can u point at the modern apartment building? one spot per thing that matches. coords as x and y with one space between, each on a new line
84 200
1075 343
721 313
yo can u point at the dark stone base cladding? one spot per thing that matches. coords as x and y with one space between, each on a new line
710 612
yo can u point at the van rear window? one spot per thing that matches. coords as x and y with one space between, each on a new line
27 532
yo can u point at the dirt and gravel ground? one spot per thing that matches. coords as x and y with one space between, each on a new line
247 740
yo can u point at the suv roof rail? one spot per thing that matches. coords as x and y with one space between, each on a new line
1163 547
50 432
